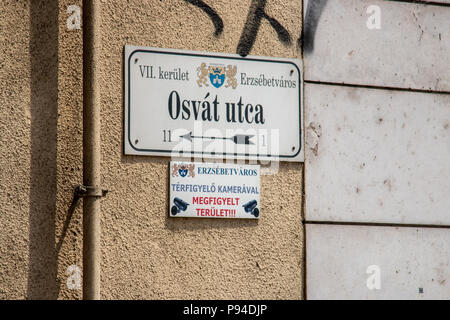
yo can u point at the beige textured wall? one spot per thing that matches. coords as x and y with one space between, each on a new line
40 158
15 125
145 254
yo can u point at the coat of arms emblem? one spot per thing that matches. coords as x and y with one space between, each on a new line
183 170
217 74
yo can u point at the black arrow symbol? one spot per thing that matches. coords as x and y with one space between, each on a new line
237 139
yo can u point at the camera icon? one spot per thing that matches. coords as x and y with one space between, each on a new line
179 205
250 207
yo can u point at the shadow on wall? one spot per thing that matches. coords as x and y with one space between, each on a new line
42 273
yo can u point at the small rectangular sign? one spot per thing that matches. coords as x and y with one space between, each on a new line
186 103
212 190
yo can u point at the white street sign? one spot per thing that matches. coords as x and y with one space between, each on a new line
186 103
212 190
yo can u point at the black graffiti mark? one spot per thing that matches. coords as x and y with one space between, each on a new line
216 19
313 13
252 25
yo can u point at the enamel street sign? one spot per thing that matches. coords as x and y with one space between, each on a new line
212 190
193 104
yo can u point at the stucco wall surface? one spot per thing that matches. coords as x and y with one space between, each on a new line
145 254
40 159
15 154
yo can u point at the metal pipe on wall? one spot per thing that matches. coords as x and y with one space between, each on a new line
91 150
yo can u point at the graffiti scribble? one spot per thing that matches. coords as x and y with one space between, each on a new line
313 12
252 25
216 19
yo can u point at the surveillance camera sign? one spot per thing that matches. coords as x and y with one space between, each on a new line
183 103
213 190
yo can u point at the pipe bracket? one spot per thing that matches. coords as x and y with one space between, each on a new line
82 191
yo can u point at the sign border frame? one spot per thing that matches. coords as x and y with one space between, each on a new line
215 56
